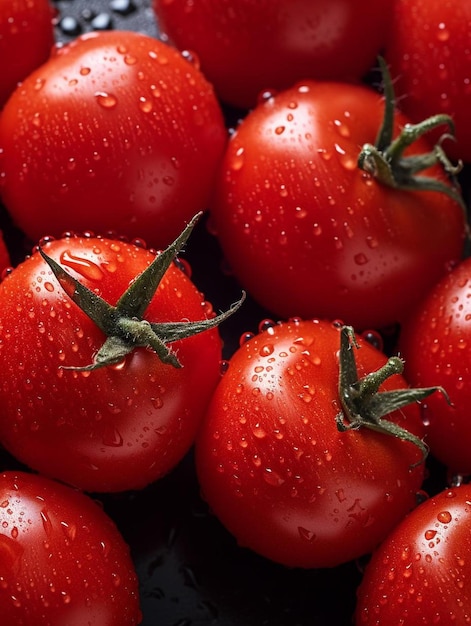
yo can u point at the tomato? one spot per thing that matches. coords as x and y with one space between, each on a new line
277 468
249 46
432 69
308 233
435 342
421 573
63 560
26 40
117 131
101 421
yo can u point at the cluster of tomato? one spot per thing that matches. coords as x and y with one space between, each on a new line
337 206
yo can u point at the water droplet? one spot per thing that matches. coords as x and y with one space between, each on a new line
145 105
374 338
279 130
444 517
258 431
348 162
360 258
306 535
47 524
430 534
70 530
272 478
443 33
112 437
266 349
39 84
106 100
86 268
300 213
237 160
245 337
342 128
66 599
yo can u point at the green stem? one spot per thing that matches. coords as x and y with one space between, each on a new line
386 162
363 405
123 324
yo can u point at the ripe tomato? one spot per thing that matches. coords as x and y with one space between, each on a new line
432 69
308 233
26 40
248 46
117 131
63 560
124 424
421 573
435 343
275 468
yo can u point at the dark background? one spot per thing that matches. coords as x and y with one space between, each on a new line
191 571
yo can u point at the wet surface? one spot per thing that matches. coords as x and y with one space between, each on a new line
191 571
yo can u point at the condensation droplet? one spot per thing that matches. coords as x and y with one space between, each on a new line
86 268
237 160
272 478
444 517
106 100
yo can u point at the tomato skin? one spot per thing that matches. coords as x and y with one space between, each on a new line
434 342
275 470
431 70
116 132
249 46
308 233
420 574
115 428
63 559
26 40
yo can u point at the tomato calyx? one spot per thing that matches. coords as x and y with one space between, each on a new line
363 405
385 160
123 324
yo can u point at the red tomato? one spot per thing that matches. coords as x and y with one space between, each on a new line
435 342
274 467
309 233
117 131
117 427
63 561
432 68
26 40
421 574
247 46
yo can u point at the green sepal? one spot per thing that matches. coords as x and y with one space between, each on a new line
386 162
363 405
123 324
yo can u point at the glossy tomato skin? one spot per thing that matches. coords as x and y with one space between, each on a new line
248 46
26 40
115 428
276 471
118 131
63 559
432 69
420 574
308 233
435 344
